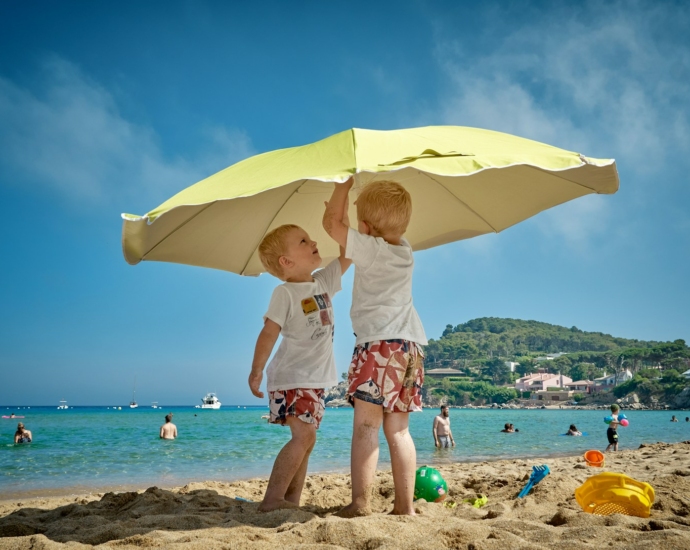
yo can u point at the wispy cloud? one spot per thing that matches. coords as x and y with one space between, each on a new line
69 135
608 80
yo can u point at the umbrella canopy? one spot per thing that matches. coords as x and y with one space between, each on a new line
464 182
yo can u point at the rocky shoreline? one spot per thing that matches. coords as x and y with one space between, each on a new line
335 398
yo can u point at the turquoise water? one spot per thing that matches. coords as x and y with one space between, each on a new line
97 448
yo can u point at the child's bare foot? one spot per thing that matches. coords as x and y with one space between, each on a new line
402 512
353 511
276 505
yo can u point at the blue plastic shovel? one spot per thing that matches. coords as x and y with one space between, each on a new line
538 473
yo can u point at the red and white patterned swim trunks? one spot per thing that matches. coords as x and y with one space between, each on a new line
304 403
389 373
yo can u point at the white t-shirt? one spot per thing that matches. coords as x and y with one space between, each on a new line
305 314
382 292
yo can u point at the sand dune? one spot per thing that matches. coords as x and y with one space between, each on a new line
206 515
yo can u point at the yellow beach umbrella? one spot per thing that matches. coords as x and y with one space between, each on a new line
464 182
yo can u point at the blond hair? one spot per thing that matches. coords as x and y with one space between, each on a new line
272 247
386 206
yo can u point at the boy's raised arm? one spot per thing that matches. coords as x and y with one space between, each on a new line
335 215
264 346
345 263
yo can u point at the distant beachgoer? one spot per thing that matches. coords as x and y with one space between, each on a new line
687 418
22 435
513 428
168 430
443 437
11 415
507 428
674 419
612 430
573 430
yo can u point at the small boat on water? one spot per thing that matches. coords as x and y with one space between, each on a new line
133 403
210 401
63 405
154 405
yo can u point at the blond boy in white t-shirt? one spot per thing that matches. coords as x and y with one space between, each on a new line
386 374
303 366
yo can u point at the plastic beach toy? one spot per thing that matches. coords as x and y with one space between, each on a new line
594 458
477 502
625 423
621 417
611 493
538 473
430 485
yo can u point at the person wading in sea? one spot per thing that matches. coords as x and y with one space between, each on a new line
22 435
168 430
443 437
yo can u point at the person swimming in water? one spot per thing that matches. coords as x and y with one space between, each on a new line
573 430
22 435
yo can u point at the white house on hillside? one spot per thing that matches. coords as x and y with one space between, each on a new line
613 379
541 381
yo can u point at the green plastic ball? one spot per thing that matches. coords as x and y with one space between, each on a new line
430 485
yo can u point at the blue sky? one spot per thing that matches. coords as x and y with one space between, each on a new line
108 108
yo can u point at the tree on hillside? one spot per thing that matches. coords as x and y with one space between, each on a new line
527 365
584 371
498 371
561 364
635 357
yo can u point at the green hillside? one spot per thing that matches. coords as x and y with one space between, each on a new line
479 349
479 342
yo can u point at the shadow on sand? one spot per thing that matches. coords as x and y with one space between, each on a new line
118 516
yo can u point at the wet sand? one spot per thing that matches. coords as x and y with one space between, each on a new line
207 516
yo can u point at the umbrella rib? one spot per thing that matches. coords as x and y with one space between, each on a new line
269 224
460 201
555 174
177 228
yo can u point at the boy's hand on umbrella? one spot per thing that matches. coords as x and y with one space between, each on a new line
255 379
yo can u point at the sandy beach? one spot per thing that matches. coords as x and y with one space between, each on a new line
206 515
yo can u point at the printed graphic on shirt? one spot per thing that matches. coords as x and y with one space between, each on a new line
325 317
321 301
309 306
313 320
319 332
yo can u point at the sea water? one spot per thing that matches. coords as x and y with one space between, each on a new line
96 448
